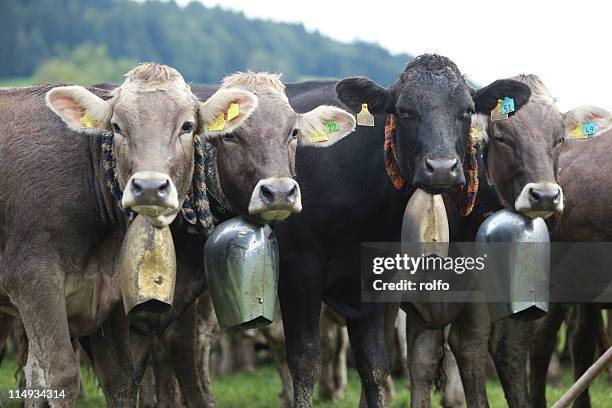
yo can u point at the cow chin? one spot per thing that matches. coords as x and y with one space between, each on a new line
155 217
540 200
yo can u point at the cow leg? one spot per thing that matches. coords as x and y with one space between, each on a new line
453 395
110 354
167 391
300 300
368 341
543 344
334 342
584 344
276 341
6 322
36 288
208 332
424 355
468 339
507 345
180 340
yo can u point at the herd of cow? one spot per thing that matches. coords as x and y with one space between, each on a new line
61 227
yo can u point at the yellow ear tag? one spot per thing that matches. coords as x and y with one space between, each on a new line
365 118
88 122
218 124
577 133
319 137
474 133
496 114
233 111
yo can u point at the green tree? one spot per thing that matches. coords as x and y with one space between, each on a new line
87 64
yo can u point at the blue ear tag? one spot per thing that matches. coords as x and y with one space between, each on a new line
589 128
507 106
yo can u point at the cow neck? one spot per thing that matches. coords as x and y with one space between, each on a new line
464 198
220 206
109 208
195 209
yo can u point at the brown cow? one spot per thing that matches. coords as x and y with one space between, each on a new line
522 152
61 229
272 132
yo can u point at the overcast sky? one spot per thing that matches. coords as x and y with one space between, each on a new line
569 47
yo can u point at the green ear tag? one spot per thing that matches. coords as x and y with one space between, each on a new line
331 127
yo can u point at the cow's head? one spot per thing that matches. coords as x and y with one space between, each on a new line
154 117
433 105
520 160
256 162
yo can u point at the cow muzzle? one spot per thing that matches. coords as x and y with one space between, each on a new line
540 200
440 173
153 195
275 199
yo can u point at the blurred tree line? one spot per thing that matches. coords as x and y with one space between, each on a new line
88 41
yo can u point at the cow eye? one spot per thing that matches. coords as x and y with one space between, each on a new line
116 128
187 127
294 134
467 114
504 141
408 114
229 137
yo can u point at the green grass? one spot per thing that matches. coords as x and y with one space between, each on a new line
260 390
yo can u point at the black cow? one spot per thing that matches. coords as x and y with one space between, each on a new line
352 200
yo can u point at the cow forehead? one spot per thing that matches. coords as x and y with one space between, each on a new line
272 116
160 106
536 120
430 94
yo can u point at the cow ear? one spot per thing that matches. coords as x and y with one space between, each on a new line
485 99
576 117
225 111
354 92
324 126
80 109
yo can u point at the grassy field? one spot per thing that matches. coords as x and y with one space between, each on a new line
260 390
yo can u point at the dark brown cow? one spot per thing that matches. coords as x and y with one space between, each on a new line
584 173
521 156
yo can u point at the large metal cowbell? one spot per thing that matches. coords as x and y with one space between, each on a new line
518 273
148 267
241 264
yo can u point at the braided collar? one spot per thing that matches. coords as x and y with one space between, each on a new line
195 208
464 197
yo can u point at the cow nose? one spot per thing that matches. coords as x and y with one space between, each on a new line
150 190
439 173
441 166
275 193
275 198
545 198
150 193
540 199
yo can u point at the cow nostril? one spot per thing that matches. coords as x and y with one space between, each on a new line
557 197
535 194
292 194
163 189
266 194
429 165
136 186
454 166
